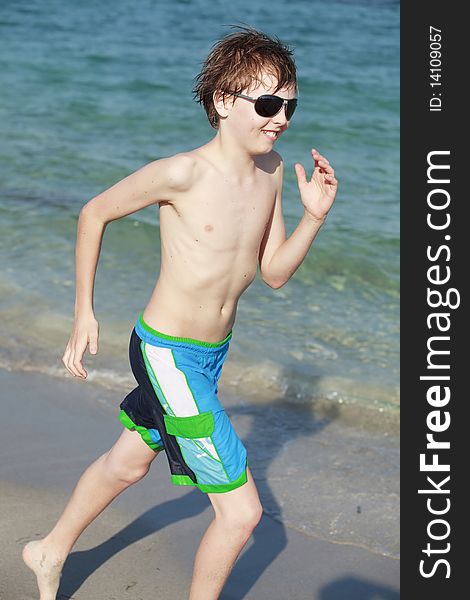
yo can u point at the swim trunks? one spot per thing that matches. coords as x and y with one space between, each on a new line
175 408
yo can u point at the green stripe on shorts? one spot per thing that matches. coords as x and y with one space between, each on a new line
144 433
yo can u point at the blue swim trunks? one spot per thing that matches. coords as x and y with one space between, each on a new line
175 408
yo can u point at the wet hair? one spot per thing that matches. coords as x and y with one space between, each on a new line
239 59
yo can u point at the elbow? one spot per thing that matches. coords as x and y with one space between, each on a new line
275 284
87 209
90 212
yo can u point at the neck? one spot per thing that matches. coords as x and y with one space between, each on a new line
232 158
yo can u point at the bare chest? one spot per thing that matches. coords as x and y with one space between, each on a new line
223 216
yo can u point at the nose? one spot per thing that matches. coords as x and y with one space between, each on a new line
280 119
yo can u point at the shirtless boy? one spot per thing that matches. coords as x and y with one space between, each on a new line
220 217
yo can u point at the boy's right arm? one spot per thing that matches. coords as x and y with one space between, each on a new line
157 181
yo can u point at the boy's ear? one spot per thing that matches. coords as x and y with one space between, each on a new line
221 107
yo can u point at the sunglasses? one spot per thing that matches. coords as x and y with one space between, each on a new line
268 105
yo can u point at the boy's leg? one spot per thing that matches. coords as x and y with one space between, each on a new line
124 464
237 513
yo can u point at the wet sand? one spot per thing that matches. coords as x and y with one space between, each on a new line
143 545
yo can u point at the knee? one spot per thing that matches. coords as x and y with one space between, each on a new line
245 518
256 515
125 473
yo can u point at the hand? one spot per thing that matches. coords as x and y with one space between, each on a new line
85 331
318 194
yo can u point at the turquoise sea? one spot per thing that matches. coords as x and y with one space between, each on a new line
92 91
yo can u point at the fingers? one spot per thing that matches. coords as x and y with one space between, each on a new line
301 175
72 362
72 359
85 332
324 166
93 347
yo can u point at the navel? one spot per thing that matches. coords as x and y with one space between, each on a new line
209 227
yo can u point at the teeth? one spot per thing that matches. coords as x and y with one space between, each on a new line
271 134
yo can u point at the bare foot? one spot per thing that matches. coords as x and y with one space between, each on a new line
46 566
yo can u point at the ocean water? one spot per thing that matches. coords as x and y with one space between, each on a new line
93 91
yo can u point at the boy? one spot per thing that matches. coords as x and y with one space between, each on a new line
220 216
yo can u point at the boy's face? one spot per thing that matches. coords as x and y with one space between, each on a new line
249 128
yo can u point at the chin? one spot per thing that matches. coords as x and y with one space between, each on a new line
262 151
267 150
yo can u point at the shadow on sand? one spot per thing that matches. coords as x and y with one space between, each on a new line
352 588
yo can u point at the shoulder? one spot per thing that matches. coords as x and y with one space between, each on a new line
179 170
278 163
275 157
273 164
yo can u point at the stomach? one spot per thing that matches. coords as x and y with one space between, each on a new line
199 313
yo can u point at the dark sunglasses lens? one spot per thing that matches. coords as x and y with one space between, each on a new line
268 106
291 106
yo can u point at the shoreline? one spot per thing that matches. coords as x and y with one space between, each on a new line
348 412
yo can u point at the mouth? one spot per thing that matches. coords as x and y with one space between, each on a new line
273 135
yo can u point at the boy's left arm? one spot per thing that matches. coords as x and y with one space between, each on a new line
280 257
